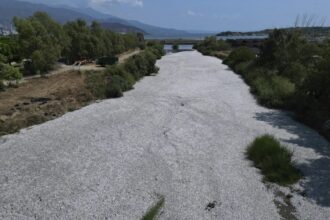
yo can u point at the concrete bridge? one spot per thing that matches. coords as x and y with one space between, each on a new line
181 41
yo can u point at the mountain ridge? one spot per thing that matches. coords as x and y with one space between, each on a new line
62 14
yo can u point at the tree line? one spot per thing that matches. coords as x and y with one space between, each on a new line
41 42
119 78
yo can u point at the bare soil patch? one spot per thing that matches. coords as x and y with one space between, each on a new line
42 99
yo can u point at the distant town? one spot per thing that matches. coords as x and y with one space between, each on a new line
7 30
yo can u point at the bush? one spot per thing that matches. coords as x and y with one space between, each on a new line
154 211
114 90
8 72
121 72
210 45
274 160
96 83
2 86
104 61
242 68
142 64
296 72
117 79
239 55
273 91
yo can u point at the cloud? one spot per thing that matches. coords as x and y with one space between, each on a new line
96 3
193 14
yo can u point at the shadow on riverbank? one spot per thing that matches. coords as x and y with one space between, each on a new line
316 171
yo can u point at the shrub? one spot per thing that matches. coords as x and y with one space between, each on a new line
273 91
210 45
120 71
131 67
274 160
104 61
117 79
242 68
2 86
113 91
151 60
8 72
239 55
96 83
296 72
153 211
142 64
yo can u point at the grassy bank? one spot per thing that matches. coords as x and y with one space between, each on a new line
288 73
273 160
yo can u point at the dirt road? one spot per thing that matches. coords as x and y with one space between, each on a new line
62 68
181 134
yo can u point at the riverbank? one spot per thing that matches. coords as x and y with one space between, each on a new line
37 100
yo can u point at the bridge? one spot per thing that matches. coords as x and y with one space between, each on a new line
185 43
181 41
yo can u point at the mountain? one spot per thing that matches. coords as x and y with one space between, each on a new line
121 28
159 31
150 29
11 8
64 13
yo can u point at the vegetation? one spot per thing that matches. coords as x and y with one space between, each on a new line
117 79
290 72
175 47
211 45
240 55
104 61
305 29
9 73
154 211
91 42
274 160
41 42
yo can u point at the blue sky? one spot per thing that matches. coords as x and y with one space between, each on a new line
210 15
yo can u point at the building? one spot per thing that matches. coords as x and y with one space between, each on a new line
5 31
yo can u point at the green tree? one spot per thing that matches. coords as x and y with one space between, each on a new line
10 73
41 39
281 48
79 35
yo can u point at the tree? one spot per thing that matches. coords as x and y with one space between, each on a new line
281 48
175 47
41 39
9 48
10 73
211 44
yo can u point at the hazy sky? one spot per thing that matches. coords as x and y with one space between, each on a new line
217 15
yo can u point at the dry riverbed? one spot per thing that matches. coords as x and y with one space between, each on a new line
181 134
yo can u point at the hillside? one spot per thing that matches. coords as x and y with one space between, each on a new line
11 8
62 14
121 28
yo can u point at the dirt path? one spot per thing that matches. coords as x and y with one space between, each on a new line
123 57
66 68
181 134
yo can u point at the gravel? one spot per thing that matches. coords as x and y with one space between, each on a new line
181 134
